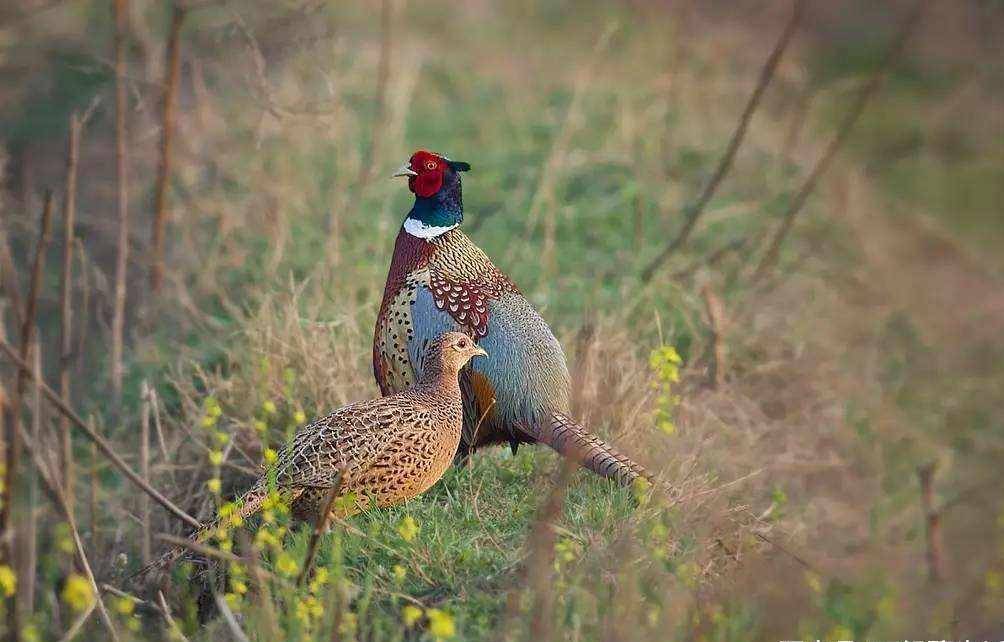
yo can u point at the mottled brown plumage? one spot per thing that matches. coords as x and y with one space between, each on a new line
386 450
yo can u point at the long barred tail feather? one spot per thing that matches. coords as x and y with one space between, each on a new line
250 503
571 440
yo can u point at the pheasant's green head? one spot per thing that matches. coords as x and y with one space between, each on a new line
435 181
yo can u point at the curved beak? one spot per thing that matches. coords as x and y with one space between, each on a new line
405 170
479 351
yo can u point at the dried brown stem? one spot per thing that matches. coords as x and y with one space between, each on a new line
28 328
264 594
166 612
932 521
382 80
122 256
66 304
171 77
144 470
539 560
8 278
843 133
106 449
716 322
694 212
27 524
56 495
319 527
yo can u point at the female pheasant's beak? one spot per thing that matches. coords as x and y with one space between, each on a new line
479 351
405 170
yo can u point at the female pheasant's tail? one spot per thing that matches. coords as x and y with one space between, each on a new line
570 439
249 503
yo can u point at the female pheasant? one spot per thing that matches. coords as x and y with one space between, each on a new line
438 281
387 450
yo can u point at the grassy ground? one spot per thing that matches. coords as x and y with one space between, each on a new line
872 349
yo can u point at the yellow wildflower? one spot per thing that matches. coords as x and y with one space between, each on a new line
286 565
221 438
29 633
408 528
239 587
77 593
270 456
214 485
8 581
320 579
233 601
299 417
259 425
125 606
269 407
208 421
441 624
411 614
215 457
309 608
399 573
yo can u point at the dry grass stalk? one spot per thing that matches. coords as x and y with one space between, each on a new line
59 499
694 211
171 624
92 494
319 527
122 256
264 594
716 321
144 470
106 449
9 278
843 133
171 78
932 520
536 573
382 80
28 523
66 304
28 328
228 617
78 623
6 421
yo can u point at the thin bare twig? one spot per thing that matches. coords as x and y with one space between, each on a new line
932 521
79 623
382 80
716 321
144 469
843 133
105 448
171 77
228 617
319 527
122 256
693 213
56 494
66 304
28 328
8 278
166 612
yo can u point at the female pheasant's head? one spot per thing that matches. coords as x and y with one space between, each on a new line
447 354
435 181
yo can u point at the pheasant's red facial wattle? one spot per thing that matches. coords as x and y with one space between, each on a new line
430 169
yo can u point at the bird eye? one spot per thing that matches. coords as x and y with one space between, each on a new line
462 343
430 165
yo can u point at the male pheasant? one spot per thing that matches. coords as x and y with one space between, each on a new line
439 280
387 450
